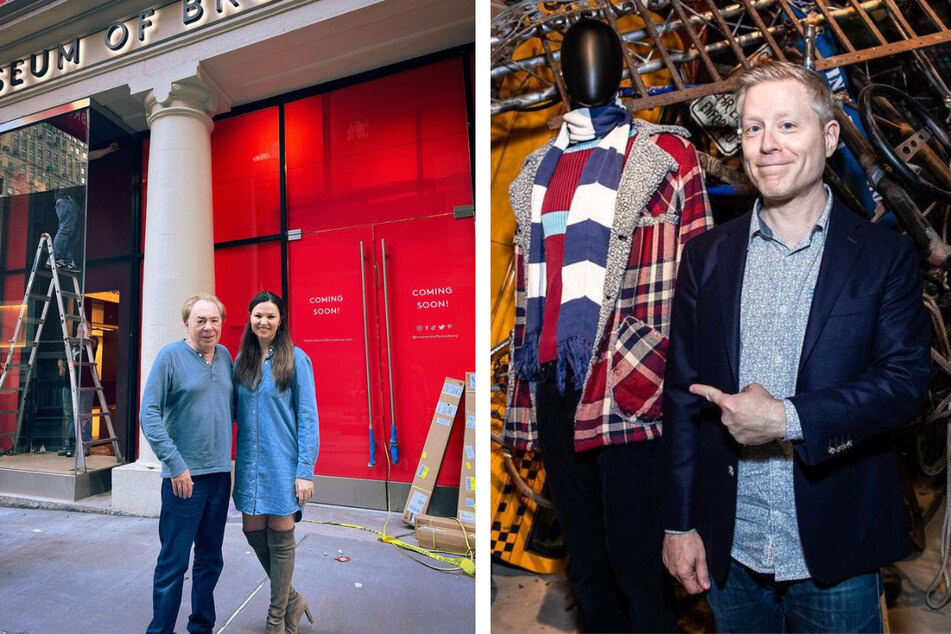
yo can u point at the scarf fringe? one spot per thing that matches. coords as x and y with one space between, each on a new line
573 353
525 359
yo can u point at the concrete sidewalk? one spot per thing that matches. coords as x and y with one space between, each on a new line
75 571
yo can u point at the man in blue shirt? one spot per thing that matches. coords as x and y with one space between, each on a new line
186 416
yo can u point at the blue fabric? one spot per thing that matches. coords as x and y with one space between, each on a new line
186 410
746 601
606 117
603 166
554 223
590 250
198 520
67 212
278 440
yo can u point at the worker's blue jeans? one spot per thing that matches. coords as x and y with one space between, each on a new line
67 212
200 520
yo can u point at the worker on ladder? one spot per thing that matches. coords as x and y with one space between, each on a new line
67 213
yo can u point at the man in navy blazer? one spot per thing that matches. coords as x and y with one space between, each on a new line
798 342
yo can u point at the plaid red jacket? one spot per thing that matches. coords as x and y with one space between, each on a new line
661 204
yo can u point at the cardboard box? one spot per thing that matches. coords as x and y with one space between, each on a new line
445 534
421 492
466 507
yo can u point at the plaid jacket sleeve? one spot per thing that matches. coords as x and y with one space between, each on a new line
695 214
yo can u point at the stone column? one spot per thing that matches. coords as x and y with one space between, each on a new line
179 251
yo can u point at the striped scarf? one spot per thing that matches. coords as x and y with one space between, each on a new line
587 234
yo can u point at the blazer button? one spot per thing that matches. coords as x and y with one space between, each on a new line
730 470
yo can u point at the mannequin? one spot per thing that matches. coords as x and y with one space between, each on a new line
591 63
594 253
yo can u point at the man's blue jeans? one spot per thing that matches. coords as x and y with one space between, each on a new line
200 520
67 212
751 602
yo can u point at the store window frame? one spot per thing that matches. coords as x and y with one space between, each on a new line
464 55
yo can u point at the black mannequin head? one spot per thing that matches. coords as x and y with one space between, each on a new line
591 63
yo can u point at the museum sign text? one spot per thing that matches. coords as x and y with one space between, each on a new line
147 28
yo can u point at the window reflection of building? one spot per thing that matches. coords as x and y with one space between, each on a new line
40 158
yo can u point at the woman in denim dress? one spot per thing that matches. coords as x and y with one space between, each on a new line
277 444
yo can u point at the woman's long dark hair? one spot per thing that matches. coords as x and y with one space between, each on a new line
247 370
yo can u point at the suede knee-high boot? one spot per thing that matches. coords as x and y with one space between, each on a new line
283 548
296 604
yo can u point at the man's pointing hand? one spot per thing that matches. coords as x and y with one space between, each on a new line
753 416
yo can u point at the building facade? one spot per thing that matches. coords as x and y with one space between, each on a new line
318 149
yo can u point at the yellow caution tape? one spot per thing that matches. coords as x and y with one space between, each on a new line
467 565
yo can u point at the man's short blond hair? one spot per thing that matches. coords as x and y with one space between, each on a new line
190 302
823 103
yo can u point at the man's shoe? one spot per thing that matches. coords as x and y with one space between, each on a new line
69 453
62 451
71 268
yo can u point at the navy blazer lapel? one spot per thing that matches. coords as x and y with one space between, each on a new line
730 267
842 246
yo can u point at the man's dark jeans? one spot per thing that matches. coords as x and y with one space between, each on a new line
67 212
200 520
608 503
747 601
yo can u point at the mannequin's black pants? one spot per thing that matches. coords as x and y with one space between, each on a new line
608 503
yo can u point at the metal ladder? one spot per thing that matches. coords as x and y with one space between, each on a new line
81 340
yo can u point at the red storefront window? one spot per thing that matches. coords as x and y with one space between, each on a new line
240 272
9 312
351 161
245 158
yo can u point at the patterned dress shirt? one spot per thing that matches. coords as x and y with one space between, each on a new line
778 286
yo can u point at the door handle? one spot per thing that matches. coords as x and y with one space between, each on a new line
366 357
394 445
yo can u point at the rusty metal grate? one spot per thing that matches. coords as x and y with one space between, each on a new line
680 50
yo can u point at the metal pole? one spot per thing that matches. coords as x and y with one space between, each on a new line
394 445
366 355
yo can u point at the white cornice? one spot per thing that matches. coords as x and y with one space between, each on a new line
216 29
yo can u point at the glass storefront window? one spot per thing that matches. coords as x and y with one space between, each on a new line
42 191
